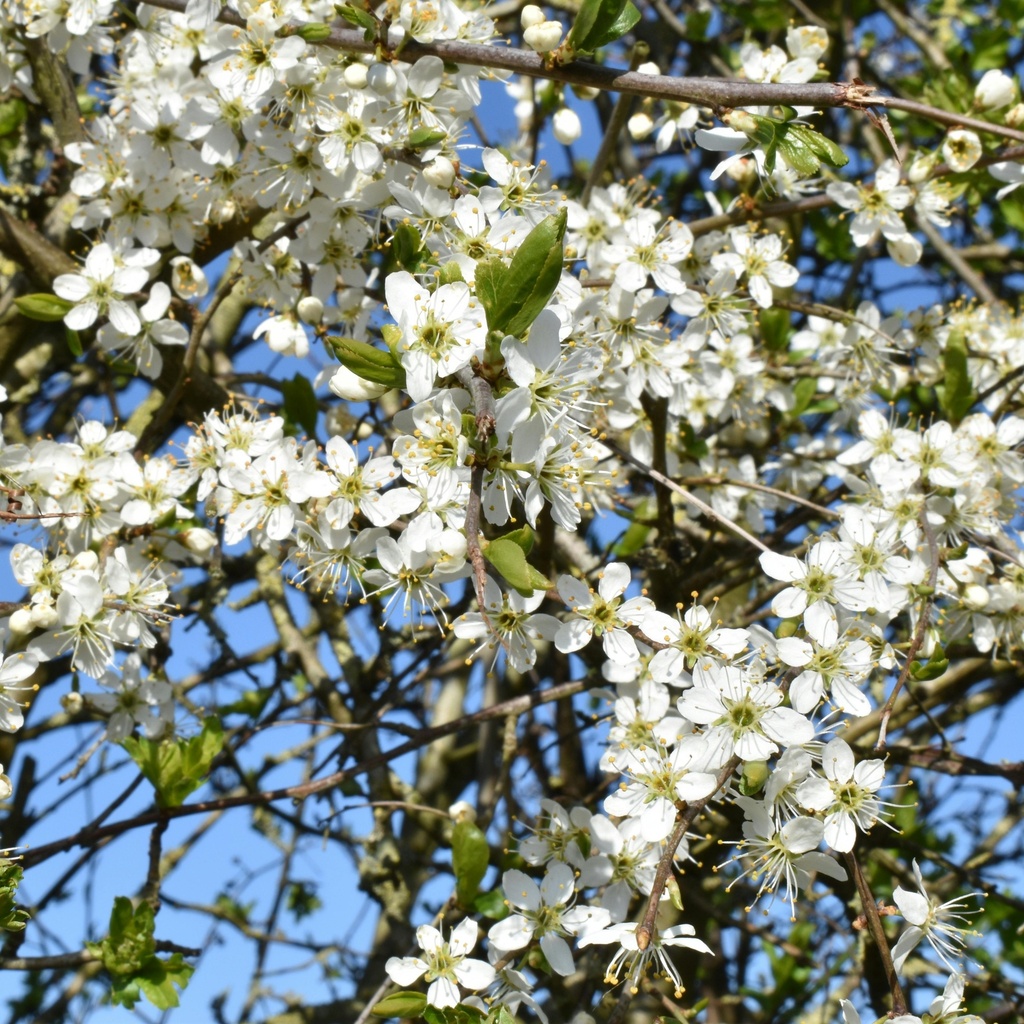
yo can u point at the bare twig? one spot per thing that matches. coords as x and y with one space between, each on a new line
874 926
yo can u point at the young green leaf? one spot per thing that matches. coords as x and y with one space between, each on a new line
176 767
955 394
423 137
360 18
369 362
453 1015
12 917
508 558
300 404
470 857
400 1004
600 22
490 278
491 904
43 306
530 279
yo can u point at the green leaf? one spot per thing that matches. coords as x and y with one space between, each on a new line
450 273
600 22
74 342
524 537
12 917
360 18
200 750
421 138
774 324
129 942
158 978
697 23
508 558
251 703
128 956
300 403
824 147
955 393
12 117
177 767
491 904
638 531
370 363
530 279
313 32
302 899
798 155
490 278
400 1004
803 391
934 667
453 1015
43 306
407 248
470 857
501 1015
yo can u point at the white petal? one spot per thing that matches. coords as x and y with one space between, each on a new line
559 955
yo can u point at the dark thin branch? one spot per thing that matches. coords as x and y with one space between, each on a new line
515 706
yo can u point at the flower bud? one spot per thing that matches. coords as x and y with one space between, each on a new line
996 89
20 623
1015 116
440 172
566 126
462 810
44 616
72 702
199 541
310 309
905 250
531 15
961 149
355 76
381 78
543 37
640 126
87 560
932 639
585 92
975 597
648 68
922 168
345 384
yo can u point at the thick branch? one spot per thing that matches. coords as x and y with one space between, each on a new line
716 93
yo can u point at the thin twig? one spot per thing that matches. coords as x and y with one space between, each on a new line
964 270
514 706
686 496
686 814
874 926
620 113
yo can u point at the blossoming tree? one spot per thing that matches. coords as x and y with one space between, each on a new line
556 469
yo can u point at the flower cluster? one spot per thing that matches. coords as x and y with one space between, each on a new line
496 354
